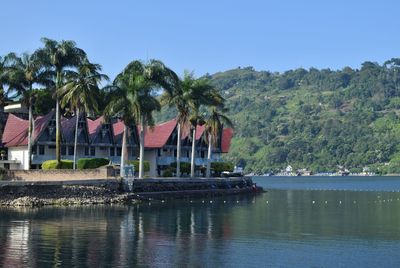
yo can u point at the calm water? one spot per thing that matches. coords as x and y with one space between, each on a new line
301 222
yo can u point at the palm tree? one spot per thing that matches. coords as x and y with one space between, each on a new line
214 126
23 73
3 80
196 93
81 93
134 100
61 58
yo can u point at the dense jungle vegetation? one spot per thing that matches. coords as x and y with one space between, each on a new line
316 119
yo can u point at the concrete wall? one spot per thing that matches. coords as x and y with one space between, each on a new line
20 154
151 156
61 174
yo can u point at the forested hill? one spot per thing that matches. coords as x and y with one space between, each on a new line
316 119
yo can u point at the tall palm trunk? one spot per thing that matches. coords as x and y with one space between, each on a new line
76 136
178 152
58 120
30 132
123 151
209 156
192 162
141 154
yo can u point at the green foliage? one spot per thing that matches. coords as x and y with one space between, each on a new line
3 174
316 119
185 167
52 164
91 163
219 167
135 163
169 172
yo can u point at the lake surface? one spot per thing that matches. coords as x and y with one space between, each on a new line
300 222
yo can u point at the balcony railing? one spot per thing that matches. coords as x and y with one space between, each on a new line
167 160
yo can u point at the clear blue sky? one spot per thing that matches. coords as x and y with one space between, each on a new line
210 36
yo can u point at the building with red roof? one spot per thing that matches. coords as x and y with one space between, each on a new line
103 138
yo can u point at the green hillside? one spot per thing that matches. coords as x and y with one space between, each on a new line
316 119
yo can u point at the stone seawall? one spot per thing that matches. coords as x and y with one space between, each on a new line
60 174
107 191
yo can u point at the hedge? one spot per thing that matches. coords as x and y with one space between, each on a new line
185 167
53 164
91 163
219 167
135 163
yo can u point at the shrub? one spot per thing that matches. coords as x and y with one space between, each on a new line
219 167
185 167
3 174
53 164
91 163
135 163
168 172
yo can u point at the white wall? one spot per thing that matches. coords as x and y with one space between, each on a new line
20 154
151 156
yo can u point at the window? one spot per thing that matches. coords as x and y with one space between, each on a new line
70 150
159 152
34 150
41 149
175 153
187 153
119 151
112 151
202 154
52 146
86 150
93 151
63 150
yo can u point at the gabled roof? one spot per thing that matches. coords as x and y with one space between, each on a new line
68 129
94 127
199 132
16 129
159 135
227 134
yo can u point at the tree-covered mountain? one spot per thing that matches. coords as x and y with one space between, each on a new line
316 119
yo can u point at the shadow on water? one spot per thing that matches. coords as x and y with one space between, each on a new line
279 227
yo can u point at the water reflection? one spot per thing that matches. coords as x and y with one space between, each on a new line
235 231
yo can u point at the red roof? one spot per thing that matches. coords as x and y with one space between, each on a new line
16 129
227 134
94 127
159 135
199 132
118 128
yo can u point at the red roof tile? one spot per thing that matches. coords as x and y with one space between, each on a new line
94 126
159 135
227 134
41 123
118 128
199 132
16 129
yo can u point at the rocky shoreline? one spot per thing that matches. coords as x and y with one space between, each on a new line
63 195
17 194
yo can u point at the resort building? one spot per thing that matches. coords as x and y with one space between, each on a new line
101 138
